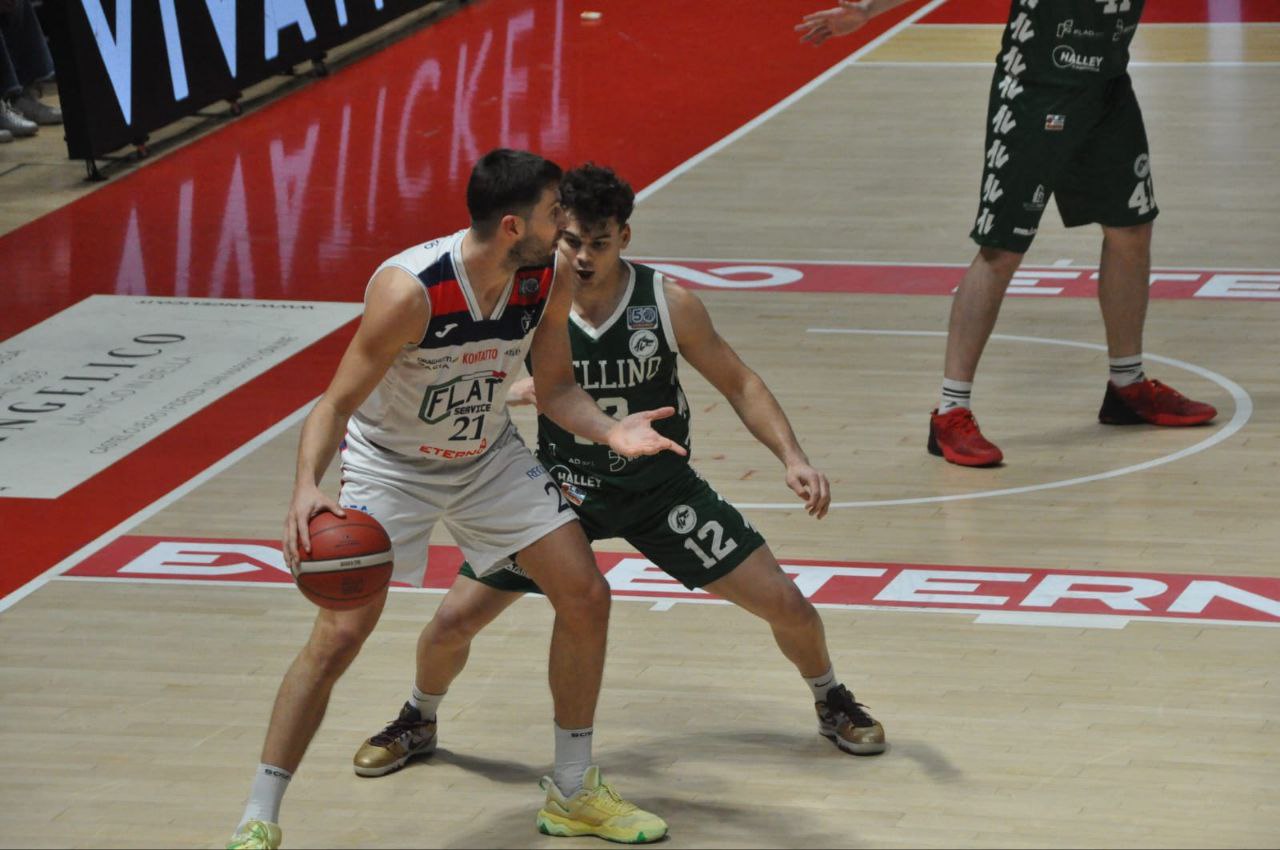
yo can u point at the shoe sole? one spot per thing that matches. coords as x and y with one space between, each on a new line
1159 421
854 749
549 824
935 448
425 750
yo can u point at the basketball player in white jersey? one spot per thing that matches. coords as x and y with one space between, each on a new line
420 395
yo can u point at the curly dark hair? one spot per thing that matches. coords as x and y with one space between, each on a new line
594 194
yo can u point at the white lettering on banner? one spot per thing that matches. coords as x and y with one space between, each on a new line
515 81
1053 589
223 13
464 95
290 173
1026 281
87 386
198 559
811 578
718 277
915 586
428 74
279 15
1201 592
116 50
1241 286
173 46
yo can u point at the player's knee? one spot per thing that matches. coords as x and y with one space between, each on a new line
587 603
1137 236
795 612
1001 262
452 628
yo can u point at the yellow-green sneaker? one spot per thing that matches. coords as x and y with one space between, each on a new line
597 810
256 835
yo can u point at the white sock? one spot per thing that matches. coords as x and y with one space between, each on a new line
573 757
821 684
427 704
954 394
269 785
1127 370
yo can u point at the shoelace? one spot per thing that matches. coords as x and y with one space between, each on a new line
966 424
840 700
395 729
613 801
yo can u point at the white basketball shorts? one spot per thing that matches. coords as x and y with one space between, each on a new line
494 506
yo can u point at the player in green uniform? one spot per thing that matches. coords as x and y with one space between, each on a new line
1062 121
627 329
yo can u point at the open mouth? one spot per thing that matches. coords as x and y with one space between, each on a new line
585 274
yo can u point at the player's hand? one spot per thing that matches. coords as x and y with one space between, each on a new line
634 436
812 486
817 27
522 392
307 502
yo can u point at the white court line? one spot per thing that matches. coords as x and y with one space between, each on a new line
153 508
917 264
1243 403
786 101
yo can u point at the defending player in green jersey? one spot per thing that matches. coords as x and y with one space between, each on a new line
628 330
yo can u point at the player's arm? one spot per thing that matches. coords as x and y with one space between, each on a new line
708 352
395 314
845 18
560 397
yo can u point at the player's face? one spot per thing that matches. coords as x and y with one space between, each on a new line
594 251
537 247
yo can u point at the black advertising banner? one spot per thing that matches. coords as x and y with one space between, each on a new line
127 67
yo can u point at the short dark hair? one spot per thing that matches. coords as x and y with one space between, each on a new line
507 182
595 194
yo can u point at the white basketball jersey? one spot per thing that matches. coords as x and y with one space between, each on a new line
445 398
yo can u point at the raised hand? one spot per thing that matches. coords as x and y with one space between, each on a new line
817 27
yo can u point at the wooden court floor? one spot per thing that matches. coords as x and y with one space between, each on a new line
132 714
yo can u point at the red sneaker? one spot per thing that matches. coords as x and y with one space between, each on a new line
954 435
1153 402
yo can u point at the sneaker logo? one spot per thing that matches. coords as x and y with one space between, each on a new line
440 333
682 519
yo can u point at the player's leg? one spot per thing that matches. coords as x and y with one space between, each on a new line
1028 129
517 507
443 647
759 585
1109 181
300 705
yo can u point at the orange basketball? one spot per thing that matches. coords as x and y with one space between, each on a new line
349 563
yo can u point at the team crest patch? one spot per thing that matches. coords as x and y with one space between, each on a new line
643 344
682 519
529 286
1055 123
526 321
572 494
642 318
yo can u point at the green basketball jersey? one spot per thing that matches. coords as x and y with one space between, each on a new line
628 364
1068 42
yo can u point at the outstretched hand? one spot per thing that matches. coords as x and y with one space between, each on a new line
307 502
817 27
522 392
634 436
812 486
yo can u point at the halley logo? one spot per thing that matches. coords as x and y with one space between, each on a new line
643 344
642 318
1065 56
445 330
682 519
1142 166
1055 123
529 286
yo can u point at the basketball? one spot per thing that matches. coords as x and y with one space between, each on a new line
349 563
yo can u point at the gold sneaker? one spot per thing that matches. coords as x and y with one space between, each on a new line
597 810
256 835
848 725
402 739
